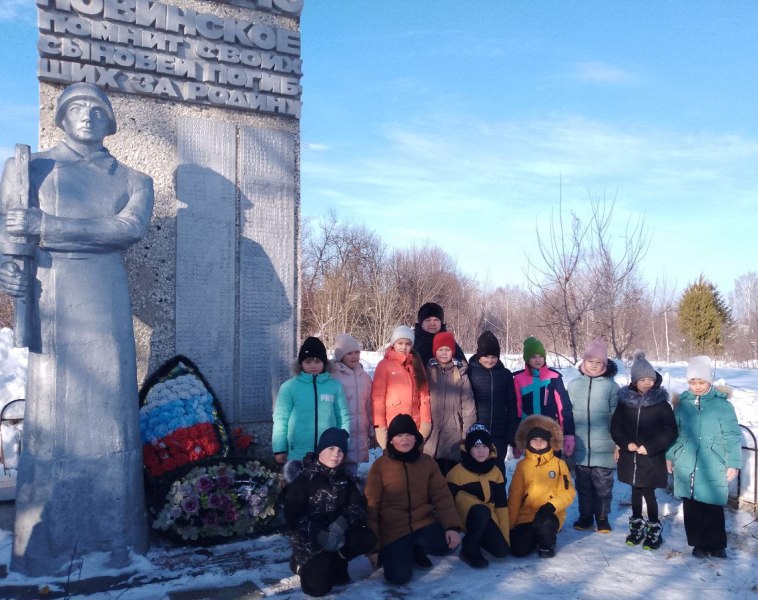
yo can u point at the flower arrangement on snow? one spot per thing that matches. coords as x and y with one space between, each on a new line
180 419
220 501
195 492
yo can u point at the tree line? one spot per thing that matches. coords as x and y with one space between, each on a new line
584 282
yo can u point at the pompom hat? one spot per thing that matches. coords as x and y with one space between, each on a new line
699 367
641 368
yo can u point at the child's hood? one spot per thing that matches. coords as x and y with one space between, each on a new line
629 397
543 422
296 368
721 388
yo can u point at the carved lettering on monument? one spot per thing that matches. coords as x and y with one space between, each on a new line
154 49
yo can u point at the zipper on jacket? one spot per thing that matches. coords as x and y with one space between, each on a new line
698 405
636 439
492 398
408 492
589 424
315 412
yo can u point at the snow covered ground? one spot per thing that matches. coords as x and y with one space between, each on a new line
588 565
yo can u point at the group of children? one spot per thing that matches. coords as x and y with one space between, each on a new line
445 426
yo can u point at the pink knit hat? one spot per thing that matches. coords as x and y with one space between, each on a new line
597 349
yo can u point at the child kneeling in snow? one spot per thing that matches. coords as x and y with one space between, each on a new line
478 488
410 507
541 489
326 516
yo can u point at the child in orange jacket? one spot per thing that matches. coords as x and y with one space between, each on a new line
400 387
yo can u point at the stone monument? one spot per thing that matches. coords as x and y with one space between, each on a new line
207 95
80 474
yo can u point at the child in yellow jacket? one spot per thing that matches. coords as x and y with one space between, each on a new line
478 488
541 488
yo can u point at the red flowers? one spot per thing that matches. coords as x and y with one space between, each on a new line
242 439
179 448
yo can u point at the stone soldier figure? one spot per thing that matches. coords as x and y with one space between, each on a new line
80 484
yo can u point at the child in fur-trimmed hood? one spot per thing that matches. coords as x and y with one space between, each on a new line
643 427
705 458
541 489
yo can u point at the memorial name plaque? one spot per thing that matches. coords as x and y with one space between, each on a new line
155 49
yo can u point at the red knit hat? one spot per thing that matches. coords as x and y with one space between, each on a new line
443 338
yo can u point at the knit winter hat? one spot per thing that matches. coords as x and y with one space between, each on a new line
641 368
312 348
332 437
597 349
699 367
403 424
487 345
430 309
402 332
533 346
538 432
345 343
477 434
443 338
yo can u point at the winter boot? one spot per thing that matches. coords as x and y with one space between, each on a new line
584 523
474 558
653 538
636 531
548 552
603 526
420 559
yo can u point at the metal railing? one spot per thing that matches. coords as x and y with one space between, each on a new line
754 450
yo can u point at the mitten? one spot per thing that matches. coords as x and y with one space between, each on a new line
425 430
381 436
568 445
544 511
332 538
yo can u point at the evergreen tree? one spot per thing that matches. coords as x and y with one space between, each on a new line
704 317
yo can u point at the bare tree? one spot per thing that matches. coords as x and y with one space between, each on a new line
744 301
558 278
620 292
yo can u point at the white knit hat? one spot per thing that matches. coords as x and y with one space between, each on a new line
699 367
345 343
402 332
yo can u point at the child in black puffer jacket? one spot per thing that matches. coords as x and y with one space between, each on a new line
326 516
644 428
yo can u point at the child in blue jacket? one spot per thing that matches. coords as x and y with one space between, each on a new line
307 405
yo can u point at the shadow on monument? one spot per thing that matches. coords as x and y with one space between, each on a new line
232 314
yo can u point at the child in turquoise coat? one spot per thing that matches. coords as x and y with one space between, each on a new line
705 458
307 405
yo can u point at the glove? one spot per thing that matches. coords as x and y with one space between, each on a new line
545 511
332 538
381 436
568 445
425 430
515 452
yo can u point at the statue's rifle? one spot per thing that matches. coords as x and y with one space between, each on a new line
21 248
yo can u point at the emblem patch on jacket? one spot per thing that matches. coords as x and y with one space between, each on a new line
327 397
552 474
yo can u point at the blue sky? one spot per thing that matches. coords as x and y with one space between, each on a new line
462 122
